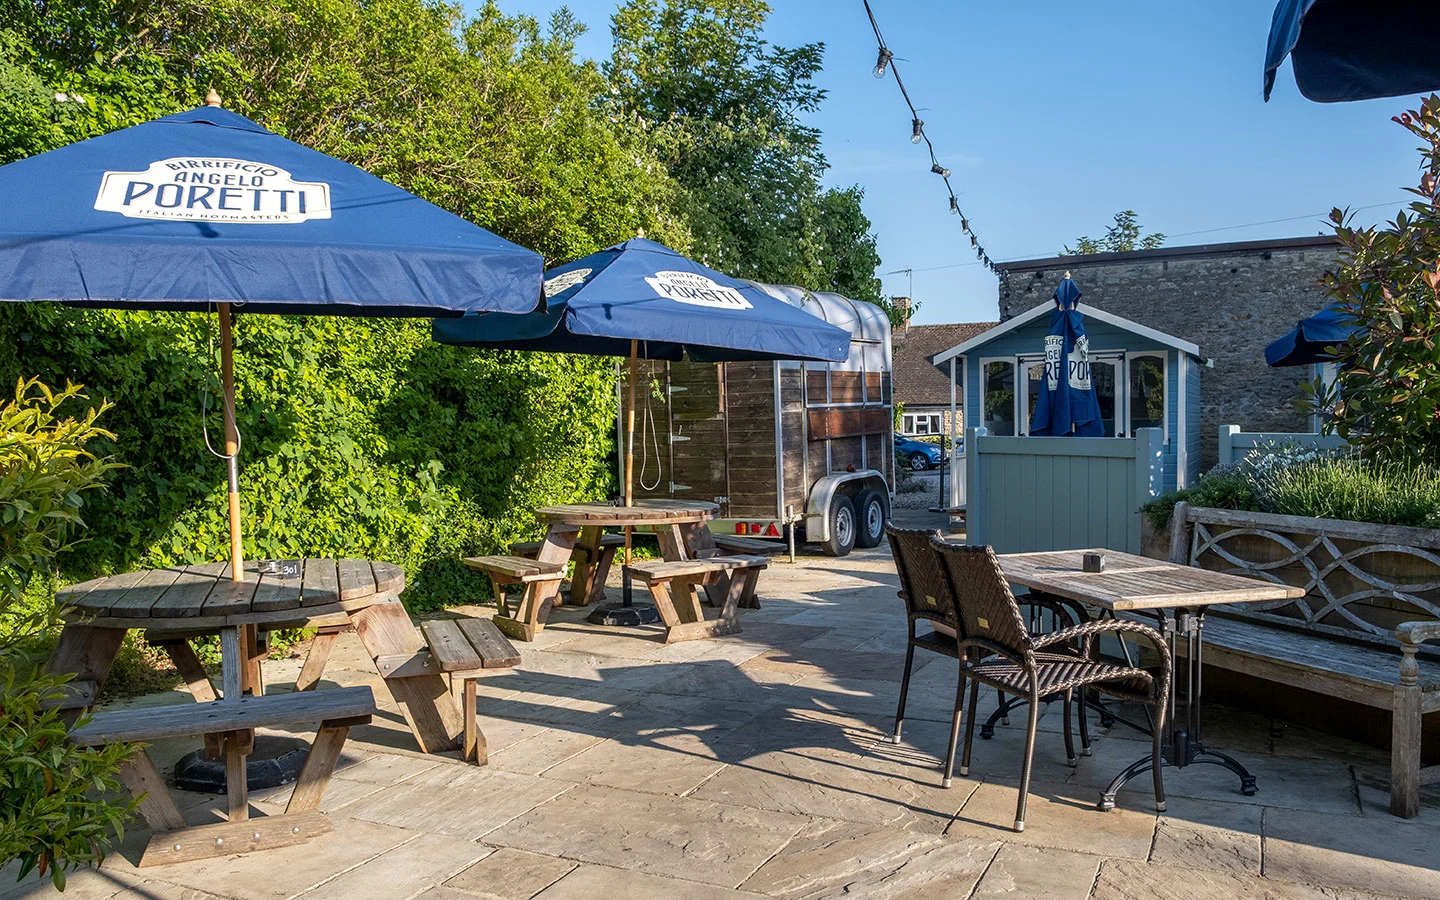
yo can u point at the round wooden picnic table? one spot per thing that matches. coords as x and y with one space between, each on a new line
178 602
679 525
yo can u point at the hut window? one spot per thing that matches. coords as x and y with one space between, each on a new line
1105 376
1147 393
998 396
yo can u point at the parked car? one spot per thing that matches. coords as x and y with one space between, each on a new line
918 455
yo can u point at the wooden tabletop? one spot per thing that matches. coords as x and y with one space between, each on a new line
205 594
644 512
1135 582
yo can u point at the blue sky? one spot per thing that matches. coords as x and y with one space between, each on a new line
1054 115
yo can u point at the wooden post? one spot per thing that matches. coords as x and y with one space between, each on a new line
232 443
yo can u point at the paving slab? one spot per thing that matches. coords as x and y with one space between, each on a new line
1325 786
1038 873
274 874
1206 835
832 859
677 837
1394 856
806 660
509 874
588 882
670 764
404 871
465 805
1124 879
1056 816
834 784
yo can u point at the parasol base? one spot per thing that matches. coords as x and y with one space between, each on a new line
622 614
276 761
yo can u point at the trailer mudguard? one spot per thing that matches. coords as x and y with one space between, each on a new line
817 506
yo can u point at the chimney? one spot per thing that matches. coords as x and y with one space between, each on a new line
902 308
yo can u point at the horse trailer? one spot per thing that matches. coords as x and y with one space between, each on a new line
786 449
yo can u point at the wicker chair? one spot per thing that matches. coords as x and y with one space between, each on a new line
996 649
927 596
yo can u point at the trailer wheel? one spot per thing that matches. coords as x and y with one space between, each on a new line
842 527
872 512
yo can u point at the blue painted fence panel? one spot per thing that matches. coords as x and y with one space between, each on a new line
1042 493
1235 444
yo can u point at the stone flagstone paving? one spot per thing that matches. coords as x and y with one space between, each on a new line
758 765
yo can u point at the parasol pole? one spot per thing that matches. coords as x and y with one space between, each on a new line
232 442
232 432
630 446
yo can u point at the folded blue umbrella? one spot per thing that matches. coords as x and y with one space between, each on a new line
206 206
1355 49
1309 341
1067 405
669 305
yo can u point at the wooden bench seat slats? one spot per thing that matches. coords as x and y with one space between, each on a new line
661 570
467 645
495 650
225 715
734 543
516 567
449 647
529 549
1302 660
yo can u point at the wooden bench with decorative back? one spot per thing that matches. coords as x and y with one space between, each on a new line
235 721
673 585
1372 601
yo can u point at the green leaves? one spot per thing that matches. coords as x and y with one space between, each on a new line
1388 389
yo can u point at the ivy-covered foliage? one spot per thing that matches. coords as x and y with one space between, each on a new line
361 437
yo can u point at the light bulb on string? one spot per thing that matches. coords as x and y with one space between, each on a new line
954 206
940 170
917 131
882 62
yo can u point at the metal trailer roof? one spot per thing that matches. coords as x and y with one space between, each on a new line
867 323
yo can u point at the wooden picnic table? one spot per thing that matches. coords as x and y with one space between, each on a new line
178 602
1176 597
679 525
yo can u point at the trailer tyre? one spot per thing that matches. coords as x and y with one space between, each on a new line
872 511
843 527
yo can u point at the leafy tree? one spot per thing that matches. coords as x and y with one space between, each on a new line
725 109
49 819
850 253
362 437
1121 237
1387 398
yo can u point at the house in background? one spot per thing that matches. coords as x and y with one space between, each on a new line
921 388
1231 299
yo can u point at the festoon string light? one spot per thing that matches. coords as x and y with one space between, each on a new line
885 62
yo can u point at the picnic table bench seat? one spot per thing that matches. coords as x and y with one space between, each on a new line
608 543
538 583
235 720
593 555
673 584
466 649
1347 638
738 545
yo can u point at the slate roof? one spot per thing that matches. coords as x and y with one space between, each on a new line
917 381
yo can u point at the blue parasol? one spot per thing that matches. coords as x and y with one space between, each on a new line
645 292
205 209
1067 404
1309 341
1355 49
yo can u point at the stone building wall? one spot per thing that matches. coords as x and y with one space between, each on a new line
1230 299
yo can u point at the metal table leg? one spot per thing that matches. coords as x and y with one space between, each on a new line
1184 744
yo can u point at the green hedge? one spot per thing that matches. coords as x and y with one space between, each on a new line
360 437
